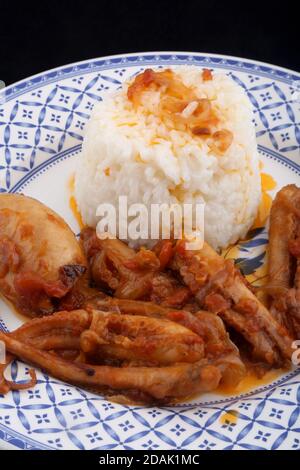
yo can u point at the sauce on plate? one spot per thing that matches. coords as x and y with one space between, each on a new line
250 382
72 202
267 184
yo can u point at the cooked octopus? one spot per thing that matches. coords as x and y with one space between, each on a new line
121 271
141 339
284 258
40 258
218 286
217 345
213 283
7 385
117 267
145 326
137 346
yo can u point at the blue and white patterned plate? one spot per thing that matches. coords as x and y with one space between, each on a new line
42 122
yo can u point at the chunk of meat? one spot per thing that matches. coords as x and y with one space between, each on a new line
40 258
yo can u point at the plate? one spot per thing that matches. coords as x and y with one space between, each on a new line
42 122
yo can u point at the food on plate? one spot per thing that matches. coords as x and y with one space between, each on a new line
284 258
174 136
140 339
130 283
220 287
7 385
216 340
146 383
140 357
118 269
150 321
40 258
142 325
201 279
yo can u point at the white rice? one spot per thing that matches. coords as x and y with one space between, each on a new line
151 164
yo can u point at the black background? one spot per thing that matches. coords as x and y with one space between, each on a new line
36 37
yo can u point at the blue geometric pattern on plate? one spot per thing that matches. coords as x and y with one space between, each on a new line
42 120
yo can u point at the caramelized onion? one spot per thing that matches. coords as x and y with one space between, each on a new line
179 107
221 141
198 130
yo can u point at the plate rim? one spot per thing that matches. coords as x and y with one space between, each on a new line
286 70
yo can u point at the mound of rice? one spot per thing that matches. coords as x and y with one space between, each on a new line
130 151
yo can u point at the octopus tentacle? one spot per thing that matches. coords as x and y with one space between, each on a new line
160 383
